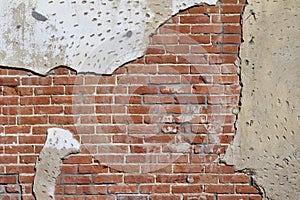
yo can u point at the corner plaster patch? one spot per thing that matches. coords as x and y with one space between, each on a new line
268 125
89 36
59 144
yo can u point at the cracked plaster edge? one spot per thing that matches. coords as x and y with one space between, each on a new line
233 152
58 146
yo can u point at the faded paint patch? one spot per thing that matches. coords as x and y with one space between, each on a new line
89 36
267 140
59 144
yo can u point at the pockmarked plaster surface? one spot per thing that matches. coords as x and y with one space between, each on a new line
268 126
59 144
88 36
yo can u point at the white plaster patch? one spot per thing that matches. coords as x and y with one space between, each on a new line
89 36
61 139
59 144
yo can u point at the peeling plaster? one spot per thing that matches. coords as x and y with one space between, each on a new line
267 140
88 36
59 144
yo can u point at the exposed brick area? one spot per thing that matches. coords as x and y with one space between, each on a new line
155 129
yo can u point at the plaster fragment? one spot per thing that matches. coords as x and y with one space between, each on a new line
88 36
59 144
266 139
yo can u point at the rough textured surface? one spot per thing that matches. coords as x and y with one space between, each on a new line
59 144
268 126
89 36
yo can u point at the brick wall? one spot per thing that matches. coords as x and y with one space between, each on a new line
155 129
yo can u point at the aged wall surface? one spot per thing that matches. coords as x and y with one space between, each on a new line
268 140
154 129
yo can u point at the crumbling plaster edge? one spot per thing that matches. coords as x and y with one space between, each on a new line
233 151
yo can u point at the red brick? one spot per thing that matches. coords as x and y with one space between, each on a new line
226 39
8 179
164 39
110 109
177 49
10 91
141 158
128 100
200 49
36 139
79 89
206 29
20 110
171 178
12 188
255 197
230 49
8 139
139 178
159 139
62 119
171 29
9 81
109 149
156 168
232 29
160 59
246 189
127 139
144 149
143 90
155 49
38 100
29 169
8 159
232 197
78 159
159 188
7 120
28 159
187 189
192 59
142 80
76 179
194 19
122 189
48 109
219 189
19 149
96 189
194 39
191 168
158 99
164 197
173 69
50 90
143 129
111 129
226 19
32 120
36 81
67 80
234 178
9 100
98 80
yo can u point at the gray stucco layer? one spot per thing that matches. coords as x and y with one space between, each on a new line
268 128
